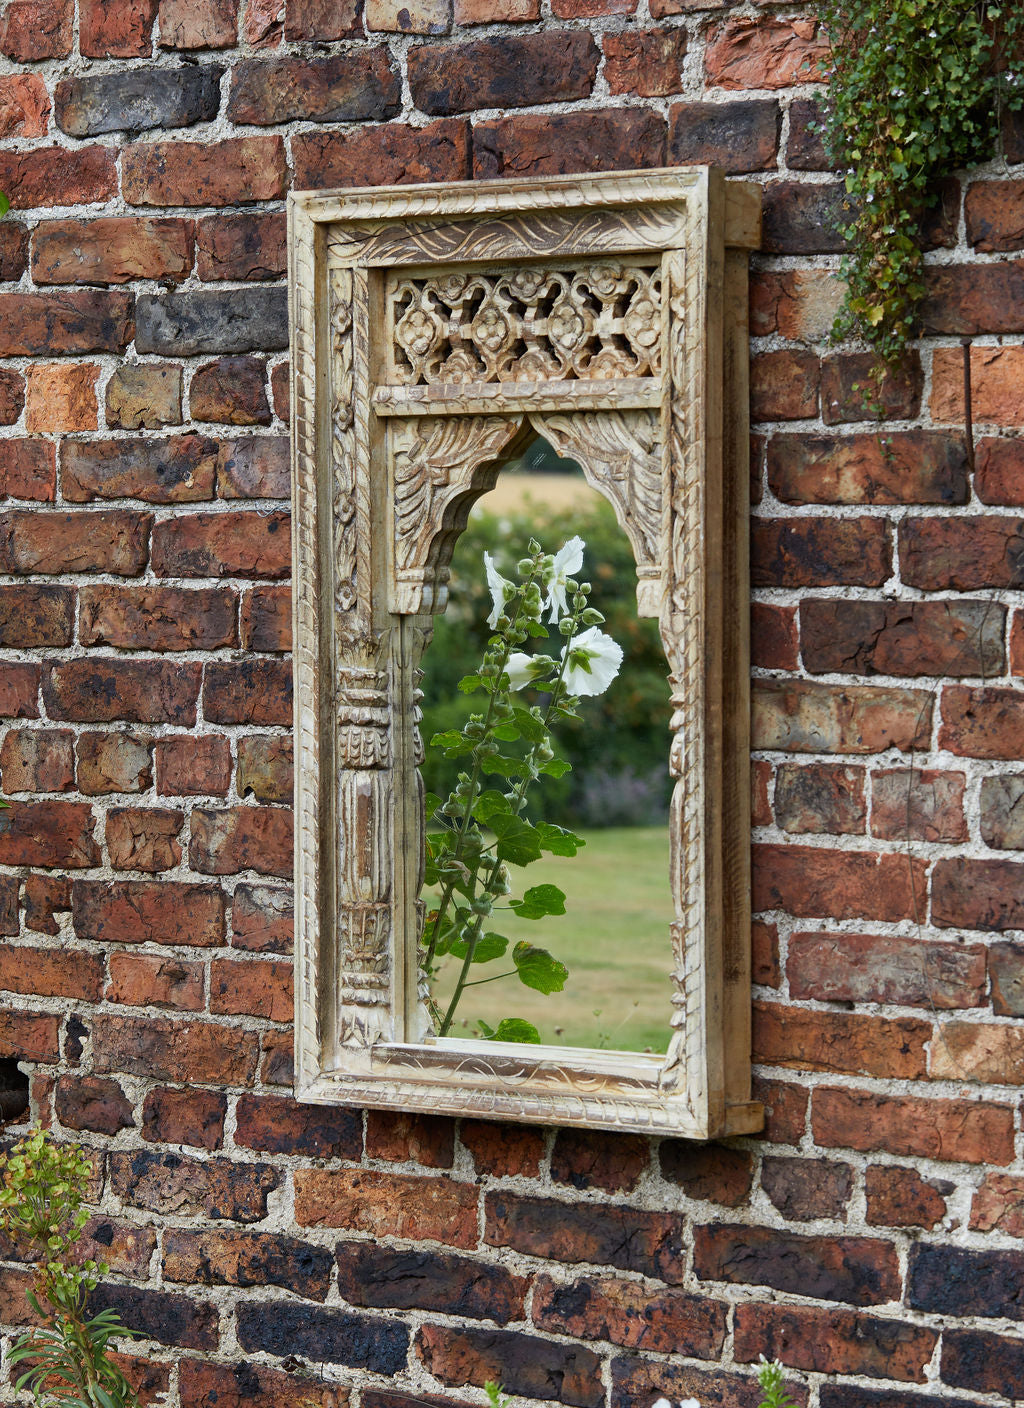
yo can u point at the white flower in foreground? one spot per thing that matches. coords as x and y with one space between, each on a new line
497 584
523 670
594 661
684 1403
567 562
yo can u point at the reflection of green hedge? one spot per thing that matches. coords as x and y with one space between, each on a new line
619 750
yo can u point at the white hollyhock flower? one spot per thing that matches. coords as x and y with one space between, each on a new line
497 584
594 661
566 563
523 669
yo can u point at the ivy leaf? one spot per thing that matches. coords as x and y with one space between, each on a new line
511 1029
539 901
558 840
538 969
517 840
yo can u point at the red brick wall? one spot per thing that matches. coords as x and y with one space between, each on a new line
872 1236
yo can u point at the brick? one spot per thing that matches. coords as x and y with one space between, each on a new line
806 147
805 1192
187 25
900 1197
252 988
241 838
902 638
784 386
144 838
278 1064
629 1239
830 967
998 1205
798 217
231 391
967 299
126 1250
636 1381
918 805
857 1270
193 766
28 470
510 71
24 106
12 397
254 467
800 304
994 211
150 980
277 1125
388 1278
428 1140
9 917
708 1171
148 911
247 1385
36 29
388 1205
986 551
144 397
78 320
58 543
1001 825
646 61
613 1163
61 397
834 1341
114 762
846 1042
280 387
112 250
116 29
524 1364
773 637
423 17
982 1362
157 618
38 760
820 797
984 1052
212 320
982 723
325 1336
184 1052
321 19
809 882
999 470
956 1131
33 616
51 834
157 1315
241 248
49 176
47 972
19 689
496 11
266 619
502 1150
807 552
357 87
223 545
1006 969
905 467
99 690
995 374
30 1036
629 1314
765 53
137 100
764 943
179 469
235 171
785 1110
557 143
851 389
262 920
93 1103
13 251
391 154
955 1281
805 717
222 1257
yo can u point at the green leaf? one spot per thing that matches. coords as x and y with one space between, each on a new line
5 204
431 802
518 842
488 947
507 732
530 726
491 804
469 684
538 969
512 1029
453 743
539 901
558 840
555 767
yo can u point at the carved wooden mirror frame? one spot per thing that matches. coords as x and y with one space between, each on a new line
433 328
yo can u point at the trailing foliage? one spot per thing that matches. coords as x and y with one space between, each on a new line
917 88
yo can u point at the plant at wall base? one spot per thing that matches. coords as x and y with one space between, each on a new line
773 1390
917 88
482 830
42 1196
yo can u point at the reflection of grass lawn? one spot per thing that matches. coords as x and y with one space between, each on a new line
613 938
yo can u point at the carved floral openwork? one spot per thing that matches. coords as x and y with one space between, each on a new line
434 329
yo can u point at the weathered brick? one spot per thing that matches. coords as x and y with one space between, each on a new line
496 11
223 545
277 1125
386 1278
909 466
805 717
36 29
739 137
510 71
847 1042
221 1257
92 1102
955 1281
61 397
774 642
181 1051
12 397
24 105
390 154
765 53
784 385
613 1163
629 1314
116 29
246 1385
902 638
851 389
212 320
859 1270
800 217
100 689
57 543
900 1197
184 24
805 1192
982 1362
764 955
918 805
266 619
9 922
1006 969
233 839
112 250
802 552
422 17
994 212
810 882
637 1381
252 988
1001 822
805 149
998 1205
322 19
709 1171
179 469
262 920
552 144
36 616
646 61
833 967
388 1204
966 299
157 618
19 690
49 176
75 320
235 171
30 1036
148 911
502 1150
38 760
254 467
265 768
241 247
324 1336
193 766
819 797
526 1365
630 1239
144 397
963 554
28 470
13 250
144 838
357 87
910 1126
231 391
114 762
278 1064
982 723
150 980
834 1341
137 99
50 833
48 972
984 1052
785 1109
999 470
126 1249
157 1315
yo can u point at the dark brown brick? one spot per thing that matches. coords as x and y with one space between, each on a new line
423 1139
254 467
739 137
711 1171
92 1102
36 616
630 1314
156 1315
357 87
802 218
262 919
28 469
51 834
907 972
647 61
905 467
157 618
390 154
810 882
388 1204
902 638
784 385
834 1341
148 911
241 838
231 391
558 143
774 641
223 545
176 1050
613 1163
235 171
982 1362
248 1385
137 99
511 71
388 1278
785 1110
322 19
49 176
251 692
193 766
858 1270
820 797
140 691
503 1150
636 1382
850 1042
276 1125
524 1364
967 299
116 29
911 1126
12 396
222 1257
630 1239
144 838
241 247
900 1197
955 1281
806 1191
805 149
854 387
59 543
193 1117
176 470
963 554
266 619
289 1328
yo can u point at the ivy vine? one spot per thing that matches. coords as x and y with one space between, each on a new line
917 88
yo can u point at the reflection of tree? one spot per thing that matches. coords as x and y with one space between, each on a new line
619 754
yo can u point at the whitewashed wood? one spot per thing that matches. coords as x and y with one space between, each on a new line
434 328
